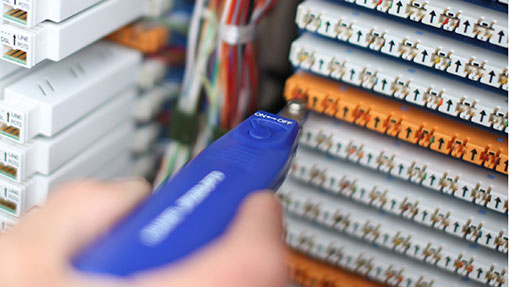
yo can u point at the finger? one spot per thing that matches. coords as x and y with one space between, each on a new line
249 254
77 213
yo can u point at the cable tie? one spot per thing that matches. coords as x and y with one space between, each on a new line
234 35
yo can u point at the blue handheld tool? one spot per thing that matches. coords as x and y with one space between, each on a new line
198 203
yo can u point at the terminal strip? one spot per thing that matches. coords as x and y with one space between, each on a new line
404 42
434 248
29 13
372 262
41 102
401 121
34 191
44 155
305 271
415 204
27 47
462 18
400 81
147 38
406 161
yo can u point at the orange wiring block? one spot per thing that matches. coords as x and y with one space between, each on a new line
401 121
144 37
312 273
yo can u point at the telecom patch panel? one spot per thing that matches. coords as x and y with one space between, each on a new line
375 263
18 198
51 98
454 16
401 121
406 161
44 155
404 42
404 195
29 13
410 202
391 233
399 81
55 41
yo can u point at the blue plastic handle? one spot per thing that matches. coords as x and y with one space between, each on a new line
197 205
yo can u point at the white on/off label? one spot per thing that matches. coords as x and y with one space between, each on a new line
14 39
12 118
10 194
6 223
10 158
18 4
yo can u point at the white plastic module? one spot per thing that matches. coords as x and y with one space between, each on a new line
7 222
149 103
400 81
370 261
405 42
18 198
406 161
55 96
27 47
44 155
402 198
144 165
145 136
118 167
6 69
151 72
29 13
370 225
9 73
451 15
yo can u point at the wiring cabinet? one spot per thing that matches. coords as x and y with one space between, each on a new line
401 174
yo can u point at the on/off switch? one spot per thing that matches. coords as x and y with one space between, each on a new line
259 132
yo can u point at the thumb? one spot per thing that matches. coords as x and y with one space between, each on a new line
76 213
250 253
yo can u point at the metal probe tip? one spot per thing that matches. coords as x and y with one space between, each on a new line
295 109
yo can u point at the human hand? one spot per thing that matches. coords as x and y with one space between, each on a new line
38 251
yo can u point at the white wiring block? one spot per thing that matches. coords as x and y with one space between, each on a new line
404 42
371 261
29 13
455 16
53 97
400 198
406 161
400 81
18 198
55 41
44 155
431 247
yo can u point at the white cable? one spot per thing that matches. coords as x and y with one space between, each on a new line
224 13
192 42
192 89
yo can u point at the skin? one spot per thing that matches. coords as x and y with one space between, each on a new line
37 252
